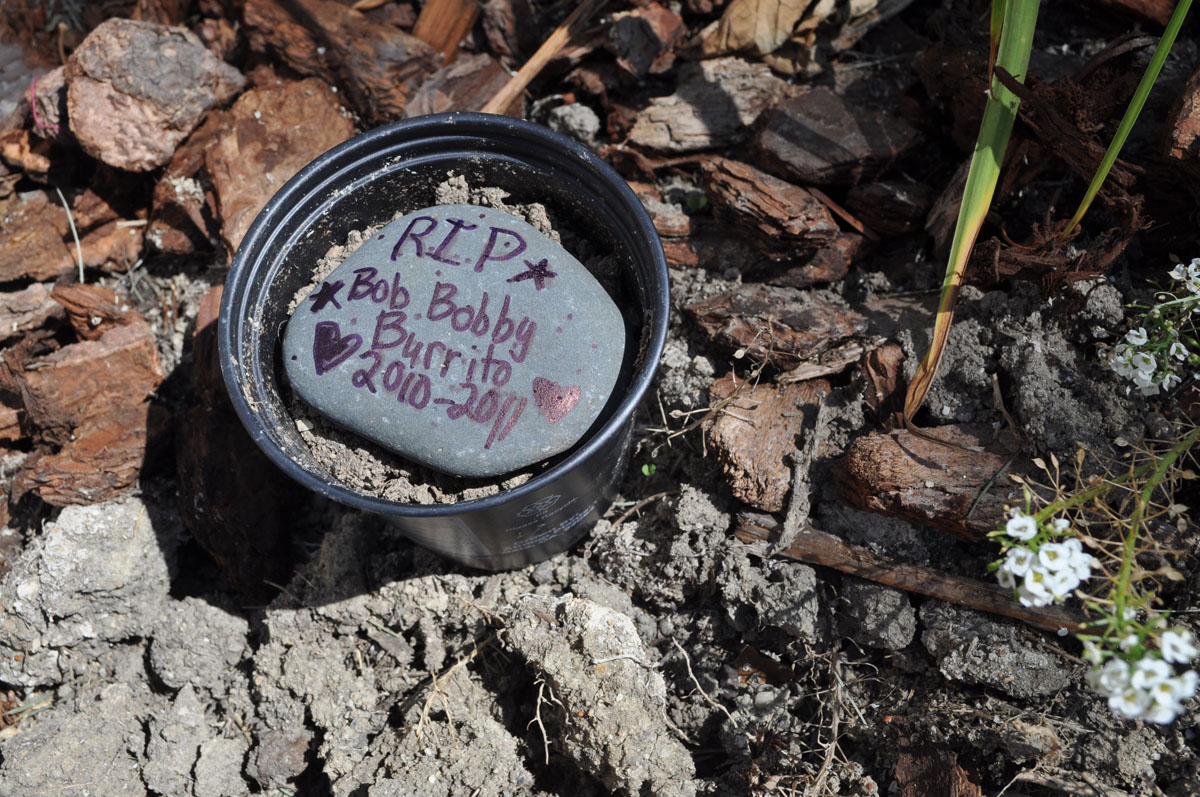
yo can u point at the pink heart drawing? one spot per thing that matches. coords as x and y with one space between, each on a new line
330 348
552 399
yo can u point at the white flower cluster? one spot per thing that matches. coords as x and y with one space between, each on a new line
1150 359
1042 573
1142 366
1189 275
1147 689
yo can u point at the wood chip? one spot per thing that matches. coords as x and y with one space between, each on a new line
948 487
26 309
818 547
90 398
38 242
233 500
891 207
93 309
923 769
780 218
783 324
136 89
465 85
828 264
84 381
268 135
512 29
1182 139
442 24
883 375
10 429
755 434
823 139
103 460
375 66
1156 11
644 39
183 214
714 104
753 26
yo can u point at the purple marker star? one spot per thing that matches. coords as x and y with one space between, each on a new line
327 294
538 272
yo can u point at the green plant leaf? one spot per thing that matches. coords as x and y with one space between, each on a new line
1136 103
1016 42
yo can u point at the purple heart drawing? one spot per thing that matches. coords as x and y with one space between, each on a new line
552 399
330 349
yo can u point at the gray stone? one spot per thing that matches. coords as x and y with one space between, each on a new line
973 649
96 575
876 615
575 120
460 337
90 746
609 693
198 644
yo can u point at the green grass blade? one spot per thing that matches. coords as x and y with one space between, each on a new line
1132 112
1016 42
995 26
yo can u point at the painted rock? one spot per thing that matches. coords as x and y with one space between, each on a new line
459 337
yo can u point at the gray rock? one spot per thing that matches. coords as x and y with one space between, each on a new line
98 574
973 649
611 696
465 750
87 747
462 338
199 644
175 734
575 120
219 768
876 615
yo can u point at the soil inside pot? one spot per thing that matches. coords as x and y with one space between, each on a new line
369 468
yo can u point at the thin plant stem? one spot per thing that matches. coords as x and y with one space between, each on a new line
74 233
1161 469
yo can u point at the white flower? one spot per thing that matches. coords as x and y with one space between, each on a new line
1060 583
1129 703
1007 578
1032 590
1192 275
1128 641
1143 361
1162 713
1179 647
1092 654
1021 526
1110 679
1060 525
1119 360
1175 690
1169 381
1179 272
1184 686
1054 556
1018 561
1148 673
1178 351
1137 337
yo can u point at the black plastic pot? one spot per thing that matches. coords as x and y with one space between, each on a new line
364 182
